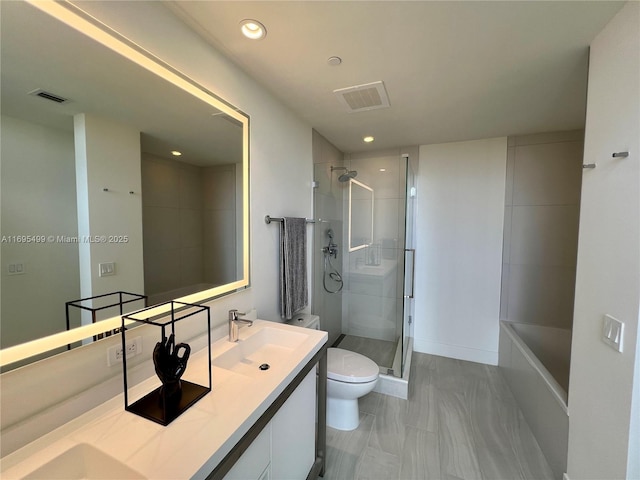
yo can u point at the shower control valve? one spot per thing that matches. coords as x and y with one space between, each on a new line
331 250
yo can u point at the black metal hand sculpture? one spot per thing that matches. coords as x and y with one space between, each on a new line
170 362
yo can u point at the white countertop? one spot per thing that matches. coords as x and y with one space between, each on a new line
194 443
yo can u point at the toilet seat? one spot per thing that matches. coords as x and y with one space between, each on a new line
350 367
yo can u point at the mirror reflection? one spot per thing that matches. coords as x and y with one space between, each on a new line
360 215
115 177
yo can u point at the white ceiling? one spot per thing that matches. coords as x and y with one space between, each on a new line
454 71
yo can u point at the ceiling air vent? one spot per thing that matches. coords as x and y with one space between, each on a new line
362 98
49 96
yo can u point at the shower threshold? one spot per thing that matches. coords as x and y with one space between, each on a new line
388 357
392 385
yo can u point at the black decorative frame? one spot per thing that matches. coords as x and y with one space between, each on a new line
151 406
120 302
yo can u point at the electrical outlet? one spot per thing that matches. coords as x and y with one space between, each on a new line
132 348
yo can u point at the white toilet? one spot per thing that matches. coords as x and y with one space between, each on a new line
349 377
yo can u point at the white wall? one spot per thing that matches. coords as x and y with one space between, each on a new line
603 424
38 198
460 215
107 155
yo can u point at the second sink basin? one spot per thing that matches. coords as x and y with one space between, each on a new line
83 461
268 347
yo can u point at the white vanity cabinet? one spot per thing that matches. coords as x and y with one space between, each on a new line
285 449
255 462
293 433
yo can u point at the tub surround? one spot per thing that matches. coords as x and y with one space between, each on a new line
551 346
541 213
196 443
542 204
541 398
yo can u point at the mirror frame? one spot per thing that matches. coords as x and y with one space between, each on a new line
79 20
366 187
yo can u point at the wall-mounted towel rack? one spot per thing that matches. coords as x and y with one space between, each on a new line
268 219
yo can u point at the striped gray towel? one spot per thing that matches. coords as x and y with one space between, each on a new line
293 266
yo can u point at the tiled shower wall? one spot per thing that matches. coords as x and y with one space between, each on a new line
542 202
327 207
185 207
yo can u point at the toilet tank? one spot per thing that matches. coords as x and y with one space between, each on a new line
305 320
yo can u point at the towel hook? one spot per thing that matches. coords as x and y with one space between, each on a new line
620 154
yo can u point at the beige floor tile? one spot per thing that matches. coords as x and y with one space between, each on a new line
461 422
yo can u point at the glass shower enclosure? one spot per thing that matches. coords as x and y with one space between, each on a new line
375 259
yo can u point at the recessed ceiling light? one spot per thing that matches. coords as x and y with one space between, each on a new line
176 153
253 29
368 139
383 169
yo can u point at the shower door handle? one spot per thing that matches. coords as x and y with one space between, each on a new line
413 271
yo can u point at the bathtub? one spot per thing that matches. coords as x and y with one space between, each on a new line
534 360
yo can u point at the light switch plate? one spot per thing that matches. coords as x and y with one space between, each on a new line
613 332
17 268
106 269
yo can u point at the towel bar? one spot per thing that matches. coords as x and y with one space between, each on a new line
268 219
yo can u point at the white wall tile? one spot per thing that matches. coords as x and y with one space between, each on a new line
548 174
511 164
159 227
190 187
541 295
544 235
160 182
506 242
190 227
551 137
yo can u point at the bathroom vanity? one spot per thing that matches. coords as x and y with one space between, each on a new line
255 423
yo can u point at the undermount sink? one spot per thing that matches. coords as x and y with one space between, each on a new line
83 461
258 352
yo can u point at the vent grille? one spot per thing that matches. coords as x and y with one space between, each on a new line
362 98
48 96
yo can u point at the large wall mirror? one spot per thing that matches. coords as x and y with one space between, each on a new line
118 174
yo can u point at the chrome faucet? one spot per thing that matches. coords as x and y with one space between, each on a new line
235 323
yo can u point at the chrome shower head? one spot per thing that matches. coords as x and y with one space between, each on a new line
345 177
348 175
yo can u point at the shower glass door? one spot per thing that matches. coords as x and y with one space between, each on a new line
409 261
374 319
